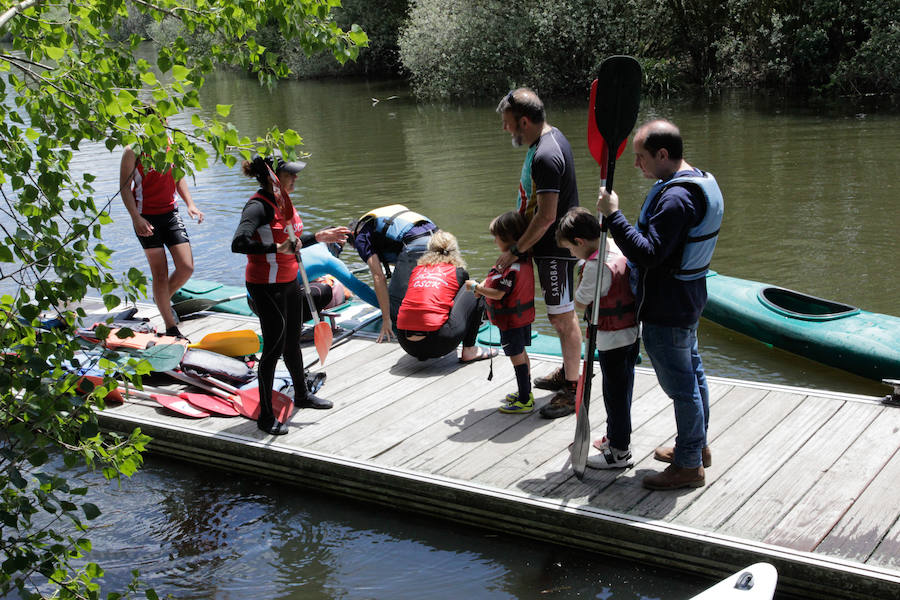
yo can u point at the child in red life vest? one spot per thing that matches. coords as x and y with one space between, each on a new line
617 332
510 306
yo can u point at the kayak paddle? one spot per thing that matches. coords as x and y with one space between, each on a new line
615 100
248 401
195 305
212 404
322 334
242 342
173 403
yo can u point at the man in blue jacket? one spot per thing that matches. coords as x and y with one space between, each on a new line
670 250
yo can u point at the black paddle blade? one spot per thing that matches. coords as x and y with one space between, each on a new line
618 98
582 443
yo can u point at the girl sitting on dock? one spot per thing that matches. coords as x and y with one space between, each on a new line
437 312
510 306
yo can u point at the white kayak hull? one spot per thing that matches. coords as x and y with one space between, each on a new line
756 582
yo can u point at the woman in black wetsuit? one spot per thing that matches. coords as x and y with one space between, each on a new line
271 278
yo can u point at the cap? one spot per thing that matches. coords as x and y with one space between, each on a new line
293 167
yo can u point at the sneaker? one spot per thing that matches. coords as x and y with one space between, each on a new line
515 406
554 381
666 454
674 478
611 458
562 404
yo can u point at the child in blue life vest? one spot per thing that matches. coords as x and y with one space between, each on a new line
510 306
617 331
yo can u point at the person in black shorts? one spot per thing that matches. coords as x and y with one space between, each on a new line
547 190
149 197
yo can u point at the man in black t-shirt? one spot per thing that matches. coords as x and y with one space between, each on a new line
547 191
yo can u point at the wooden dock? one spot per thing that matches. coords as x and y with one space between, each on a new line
805 479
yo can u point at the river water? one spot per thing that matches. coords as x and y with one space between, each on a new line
812 203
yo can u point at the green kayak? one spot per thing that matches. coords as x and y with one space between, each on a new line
829 332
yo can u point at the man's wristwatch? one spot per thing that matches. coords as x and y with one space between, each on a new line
514 249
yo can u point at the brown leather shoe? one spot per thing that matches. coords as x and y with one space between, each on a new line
665 454
674 478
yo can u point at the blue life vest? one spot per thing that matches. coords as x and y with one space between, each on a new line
394 221
701 241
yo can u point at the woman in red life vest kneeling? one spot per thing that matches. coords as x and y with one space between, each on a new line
437 313
271 278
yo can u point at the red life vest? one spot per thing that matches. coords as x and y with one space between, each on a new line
429 297
516 308
616 308
274 267
154 192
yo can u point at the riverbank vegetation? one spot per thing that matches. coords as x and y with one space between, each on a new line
475 48
463 47
67 81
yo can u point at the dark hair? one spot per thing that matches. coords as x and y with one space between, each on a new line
578 223
257 168
523 102
663 134
509 226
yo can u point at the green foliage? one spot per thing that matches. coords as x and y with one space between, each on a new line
464 47
71 78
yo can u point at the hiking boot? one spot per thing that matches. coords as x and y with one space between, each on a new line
561 405
554 381
312 401
514 405
611 458
666 453
674 478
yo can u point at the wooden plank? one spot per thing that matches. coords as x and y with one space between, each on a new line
528 457
412 411
724 496
621 491
859 532
730 446
420 448
887 554
793 480
473 435
366 391
383 390
808 522
557 469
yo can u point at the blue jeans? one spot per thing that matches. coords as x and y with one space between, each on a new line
676 360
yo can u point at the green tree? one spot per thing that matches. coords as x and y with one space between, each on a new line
67 81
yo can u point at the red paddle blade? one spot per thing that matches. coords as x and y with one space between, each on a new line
247 403
596 143
212 404
179 405
579 392
322 336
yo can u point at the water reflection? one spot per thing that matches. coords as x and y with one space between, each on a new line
198 534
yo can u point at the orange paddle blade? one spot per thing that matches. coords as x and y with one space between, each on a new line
322 336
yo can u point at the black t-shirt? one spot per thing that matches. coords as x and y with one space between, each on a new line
550 167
